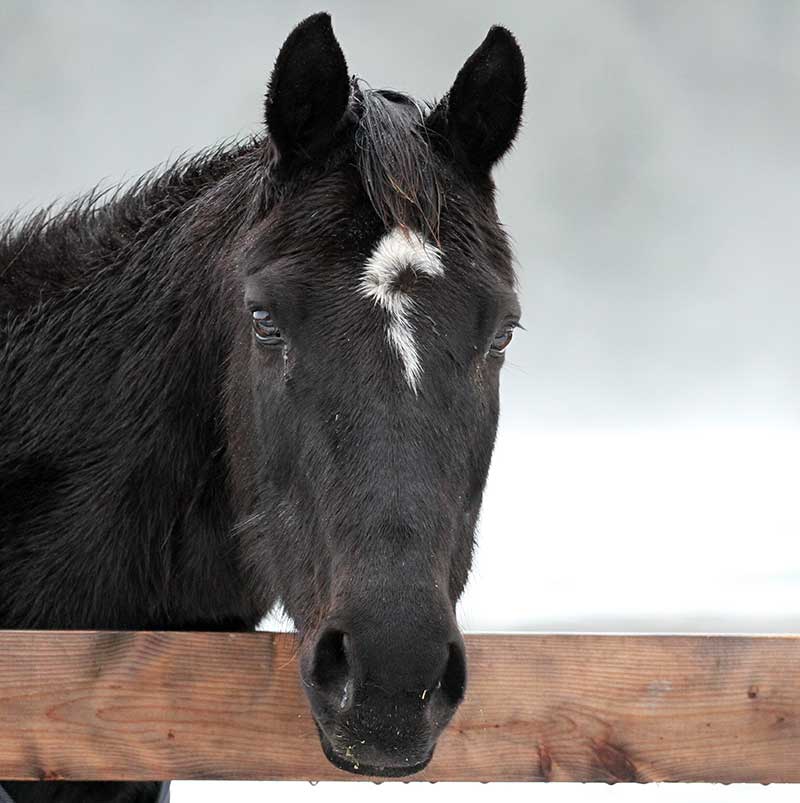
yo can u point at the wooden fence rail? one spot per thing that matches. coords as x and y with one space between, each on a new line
81 705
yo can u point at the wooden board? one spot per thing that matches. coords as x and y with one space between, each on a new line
539 707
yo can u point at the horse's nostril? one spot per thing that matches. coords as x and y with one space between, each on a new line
454 680
331 667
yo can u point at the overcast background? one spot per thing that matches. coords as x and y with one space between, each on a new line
646 470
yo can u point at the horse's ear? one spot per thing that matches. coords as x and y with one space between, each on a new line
309 90
481 114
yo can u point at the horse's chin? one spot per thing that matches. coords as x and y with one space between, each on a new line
360 768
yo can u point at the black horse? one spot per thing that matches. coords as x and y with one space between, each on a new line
270 374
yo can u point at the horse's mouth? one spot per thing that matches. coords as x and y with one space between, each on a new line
360 768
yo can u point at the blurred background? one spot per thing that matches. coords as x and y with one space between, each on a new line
645 476
646 468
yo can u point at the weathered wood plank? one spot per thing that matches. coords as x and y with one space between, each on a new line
540 707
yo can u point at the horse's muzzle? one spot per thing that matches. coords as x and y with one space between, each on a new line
379 702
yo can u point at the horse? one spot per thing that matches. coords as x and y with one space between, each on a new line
269 374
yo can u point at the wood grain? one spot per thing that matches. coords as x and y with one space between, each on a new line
539 707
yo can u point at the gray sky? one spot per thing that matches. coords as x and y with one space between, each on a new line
652 196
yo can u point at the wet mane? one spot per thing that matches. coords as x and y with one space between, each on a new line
53 249
396 160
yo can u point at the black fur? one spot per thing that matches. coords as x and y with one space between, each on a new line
160 468
69 791
308 91
481 114
396 161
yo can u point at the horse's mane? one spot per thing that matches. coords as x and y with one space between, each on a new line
55 249
52 249
396 160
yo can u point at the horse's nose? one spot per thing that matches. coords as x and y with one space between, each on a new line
332 669
380 701
343 663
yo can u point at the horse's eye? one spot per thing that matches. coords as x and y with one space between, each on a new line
265 329
501 340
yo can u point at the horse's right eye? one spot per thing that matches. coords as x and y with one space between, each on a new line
264 328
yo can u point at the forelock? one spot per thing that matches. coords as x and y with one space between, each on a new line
396 161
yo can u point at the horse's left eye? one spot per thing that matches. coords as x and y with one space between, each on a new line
501 340
265 329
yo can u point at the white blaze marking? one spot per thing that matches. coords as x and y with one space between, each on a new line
398 251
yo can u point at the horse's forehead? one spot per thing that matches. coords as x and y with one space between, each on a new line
387 280
397 252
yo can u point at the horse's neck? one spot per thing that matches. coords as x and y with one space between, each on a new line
115 431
